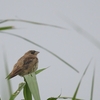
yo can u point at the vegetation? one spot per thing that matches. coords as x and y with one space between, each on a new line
30 84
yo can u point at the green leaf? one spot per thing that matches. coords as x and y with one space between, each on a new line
76 91
92 87
40 70
27 92
43 49
52 98
31 22
60 97
33 86
55 98
6 28
13 96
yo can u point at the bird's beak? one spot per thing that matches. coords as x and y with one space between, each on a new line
37 52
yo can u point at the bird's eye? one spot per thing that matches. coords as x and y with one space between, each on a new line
32 52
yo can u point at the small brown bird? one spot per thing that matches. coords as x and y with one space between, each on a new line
28 63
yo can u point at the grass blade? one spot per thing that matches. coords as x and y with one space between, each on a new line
40 70
13 96
83 33
6 69
6 28
76 91
92 87
31 22
27 92
33 86
55 98
43 49
60 97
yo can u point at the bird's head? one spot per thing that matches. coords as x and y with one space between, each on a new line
32 52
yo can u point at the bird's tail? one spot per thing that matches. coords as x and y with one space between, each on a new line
10 76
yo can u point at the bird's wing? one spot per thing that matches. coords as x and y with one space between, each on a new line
21 64
14 72
28 60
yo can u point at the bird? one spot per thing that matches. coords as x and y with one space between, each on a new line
27 64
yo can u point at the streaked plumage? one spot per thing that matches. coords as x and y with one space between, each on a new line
25 65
